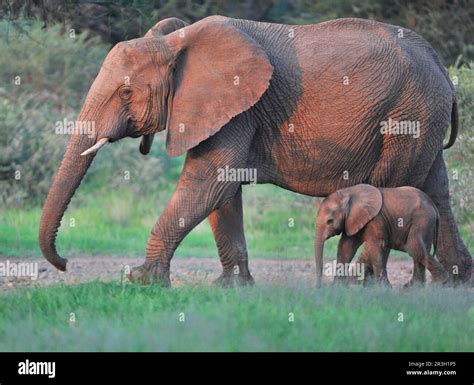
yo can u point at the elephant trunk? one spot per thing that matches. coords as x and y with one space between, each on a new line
68 177
318 249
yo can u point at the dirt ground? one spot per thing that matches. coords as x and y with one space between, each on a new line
186 271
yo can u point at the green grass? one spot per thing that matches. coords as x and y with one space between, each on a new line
278 224
111 317
103 223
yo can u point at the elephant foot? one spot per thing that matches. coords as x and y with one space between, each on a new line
340 280
441 278
150 273
413 283
232 280
384 282
347 280
381 281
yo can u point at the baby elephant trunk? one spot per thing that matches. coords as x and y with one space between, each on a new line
318 250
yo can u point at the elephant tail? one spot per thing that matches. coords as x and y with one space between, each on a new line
454 125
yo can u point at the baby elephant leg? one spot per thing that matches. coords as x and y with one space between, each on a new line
418 248
346 250
378 256
364 261
419 274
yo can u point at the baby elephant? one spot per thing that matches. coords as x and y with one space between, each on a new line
402 218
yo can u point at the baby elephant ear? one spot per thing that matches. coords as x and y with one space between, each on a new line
220 72
365 202
163 27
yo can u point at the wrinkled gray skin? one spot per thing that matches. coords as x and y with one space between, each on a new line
306 113
402 218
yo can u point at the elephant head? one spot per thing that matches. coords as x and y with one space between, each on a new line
181 80
163 27
344 211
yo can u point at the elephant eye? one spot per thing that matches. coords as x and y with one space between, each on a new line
125 93
330 221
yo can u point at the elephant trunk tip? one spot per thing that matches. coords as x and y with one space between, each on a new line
60 263
50 254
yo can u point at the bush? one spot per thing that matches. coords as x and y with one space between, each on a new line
45 76
447 25
56 71
460 158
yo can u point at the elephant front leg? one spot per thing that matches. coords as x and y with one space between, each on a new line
346 250
378 255
192 201
418 276
373 259
228 229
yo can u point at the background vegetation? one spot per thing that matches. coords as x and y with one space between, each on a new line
447 24
51 52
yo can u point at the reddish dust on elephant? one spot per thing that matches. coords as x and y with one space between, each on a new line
310 108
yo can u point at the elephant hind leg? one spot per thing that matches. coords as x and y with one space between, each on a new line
228 229
419 274
418 248
450 249
418 245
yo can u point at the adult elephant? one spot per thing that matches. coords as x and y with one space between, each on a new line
301 105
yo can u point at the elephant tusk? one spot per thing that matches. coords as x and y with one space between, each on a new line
95 147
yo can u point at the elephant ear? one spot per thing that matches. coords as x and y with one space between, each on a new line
160 29
165 26
220 72
365 202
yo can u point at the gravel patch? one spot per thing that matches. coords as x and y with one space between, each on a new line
184 271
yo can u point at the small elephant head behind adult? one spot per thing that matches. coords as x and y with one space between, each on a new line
401 218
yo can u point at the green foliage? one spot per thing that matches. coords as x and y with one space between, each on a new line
55 72
116 223
43 75
446 24
112 317
124 192
123 19
460 157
